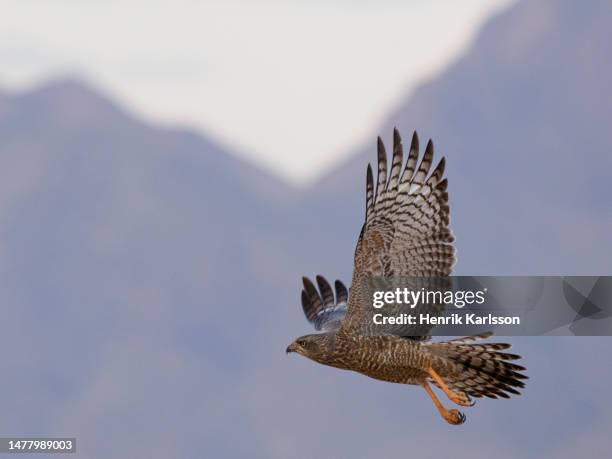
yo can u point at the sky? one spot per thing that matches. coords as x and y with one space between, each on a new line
248 73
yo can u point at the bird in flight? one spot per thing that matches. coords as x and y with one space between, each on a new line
406 233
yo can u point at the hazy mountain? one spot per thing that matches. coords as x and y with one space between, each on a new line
124 248
150 280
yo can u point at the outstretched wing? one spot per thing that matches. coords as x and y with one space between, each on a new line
321 309
406 231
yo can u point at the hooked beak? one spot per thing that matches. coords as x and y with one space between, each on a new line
290 348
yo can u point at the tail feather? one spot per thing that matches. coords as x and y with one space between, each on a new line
479 370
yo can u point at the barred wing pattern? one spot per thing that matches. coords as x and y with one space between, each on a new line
406 231
320 308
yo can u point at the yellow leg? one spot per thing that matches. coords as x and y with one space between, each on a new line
454 417
460 399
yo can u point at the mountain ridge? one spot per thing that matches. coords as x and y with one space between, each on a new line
70 104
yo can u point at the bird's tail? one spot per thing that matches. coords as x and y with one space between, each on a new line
479 369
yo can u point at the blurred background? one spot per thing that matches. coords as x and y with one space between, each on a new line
170 170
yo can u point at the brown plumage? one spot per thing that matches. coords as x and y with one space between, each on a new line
406 233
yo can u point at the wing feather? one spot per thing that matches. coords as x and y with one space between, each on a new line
341 292
396 163
326 291
381 181
413 157
320 307
369 191
406 231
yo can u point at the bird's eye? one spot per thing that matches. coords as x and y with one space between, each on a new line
302 342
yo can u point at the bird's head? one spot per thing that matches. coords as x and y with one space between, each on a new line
314 347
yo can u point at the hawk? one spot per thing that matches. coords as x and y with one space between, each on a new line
406 233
